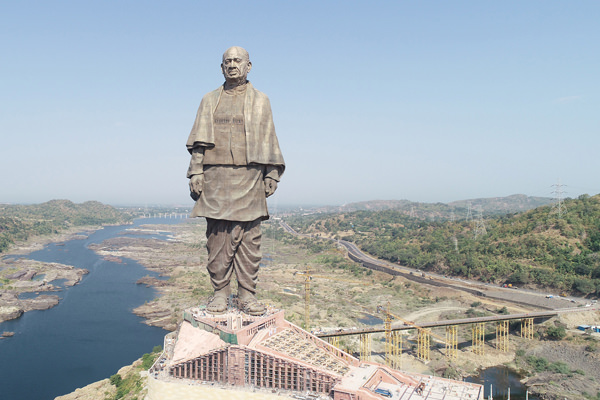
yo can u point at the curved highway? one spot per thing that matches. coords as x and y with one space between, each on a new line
525 298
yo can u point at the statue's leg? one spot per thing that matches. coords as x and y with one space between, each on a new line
220 258
246 264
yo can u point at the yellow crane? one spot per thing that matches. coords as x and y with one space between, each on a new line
308 275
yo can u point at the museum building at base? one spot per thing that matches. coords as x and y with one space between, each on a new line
235 355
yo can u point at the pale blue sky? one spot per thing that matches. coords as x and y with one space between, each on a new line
426 101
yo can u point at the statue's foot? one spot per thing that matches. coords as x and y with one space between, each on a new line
217 305
250 305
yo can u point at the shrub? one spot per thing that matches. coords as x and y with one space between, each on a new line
116 380
121 392
556 333
451 373
560 367
591 347
147 360
539 364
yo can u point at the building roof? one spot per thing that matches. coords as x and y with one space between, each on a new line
193 342
202 334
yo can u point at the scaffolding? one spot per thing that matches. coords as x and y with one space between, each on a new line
423 343
393 349
365 347
527 328
307 278
502 336
452 342
317 371
308 275
392 338
388 337
334 341
478 338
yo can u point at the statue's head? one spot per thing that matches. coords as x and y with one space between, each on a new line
236 65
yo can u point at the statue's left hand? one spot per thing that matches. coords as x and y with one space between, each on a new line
270 186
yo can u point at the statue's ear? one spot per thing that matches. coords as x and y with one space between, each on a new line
249 65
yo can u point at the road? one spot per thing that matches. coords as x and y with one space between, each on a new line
517 296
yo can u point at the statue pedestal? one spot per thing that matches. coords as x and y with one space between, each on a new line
271 356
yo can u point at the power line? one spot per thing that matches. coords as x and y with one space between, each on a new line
559 206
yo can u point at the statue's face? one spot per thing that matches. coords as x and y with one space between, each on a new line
236 64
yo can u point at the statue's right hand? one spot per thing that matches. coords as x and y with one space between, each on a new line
196 186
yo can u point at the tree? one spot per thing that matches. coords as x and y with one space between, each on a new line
585 286
116 380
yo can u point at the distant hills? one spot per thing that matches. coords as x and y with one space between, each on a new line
20 222
539 247
457 209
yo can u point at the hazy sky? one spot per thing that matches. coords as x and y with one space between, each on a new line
426 101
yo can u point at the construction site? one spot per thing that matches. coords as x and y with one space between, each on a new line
235 355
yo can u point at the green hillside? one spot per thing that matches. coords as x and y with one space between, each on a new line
20 222
535 248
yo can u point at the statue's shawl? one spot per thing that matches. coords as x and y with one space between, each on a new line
262 146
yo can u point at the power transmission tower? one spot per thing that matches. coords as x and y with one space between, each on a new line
412 212
480 227
455 241
469 213
558 207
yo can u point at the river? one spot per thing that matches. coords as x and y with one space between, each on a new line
90 334
499 380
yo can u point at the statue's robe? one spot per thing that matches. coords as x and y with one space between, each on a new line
233 187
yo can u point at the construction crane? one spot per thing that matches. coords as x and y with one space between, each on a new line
308 275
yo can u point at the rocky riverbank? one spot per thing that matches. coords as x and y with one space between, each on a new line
36 243
19 276
175 260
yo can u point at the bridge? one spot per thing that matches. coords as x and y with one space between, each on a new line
393 338
450 322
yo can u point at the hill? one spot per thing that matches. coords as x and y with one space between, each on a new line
454 210
535 248
20 222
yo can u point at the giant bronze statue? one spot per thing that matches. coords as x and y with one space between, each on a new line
236 164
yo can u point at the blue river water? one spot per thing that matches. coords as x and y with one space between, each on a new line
90 334
498 380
